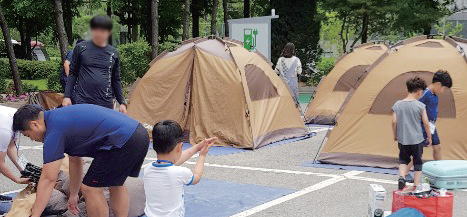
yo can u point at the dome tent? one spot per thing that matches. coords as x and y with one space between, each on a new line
215 87
347 74
362 135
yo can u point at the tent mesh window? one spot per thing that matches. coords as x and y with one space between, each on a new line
351 79
259 84
432 44
396 90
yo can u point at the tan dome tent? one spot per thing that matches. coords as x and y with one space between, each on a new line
363 134
215 87
347 74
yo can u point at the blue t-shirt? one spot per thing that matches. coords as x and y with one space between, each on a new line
81 130
431 102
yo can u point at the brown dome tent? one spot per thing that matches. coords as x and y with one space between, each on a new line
347 74
363 134
215 87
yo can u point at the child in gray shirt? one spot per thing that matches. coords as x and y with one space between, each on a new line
406 118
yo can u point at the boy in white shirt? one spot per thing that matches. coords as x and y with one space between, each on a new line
164 180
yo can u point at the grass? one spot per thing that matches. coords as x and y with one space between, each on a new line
41 83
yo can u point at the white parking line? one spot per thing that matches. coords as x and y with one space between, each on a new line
315 187
266 170
37 147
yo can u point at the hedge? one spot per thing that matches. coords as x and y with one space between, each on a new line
134 60
30 70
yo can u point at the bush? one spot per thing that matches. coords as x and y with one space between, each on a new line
53 82
30 70
9 87
3 85
134 60
324 66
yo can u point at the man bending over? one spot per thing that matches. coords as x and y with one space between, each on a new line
117 143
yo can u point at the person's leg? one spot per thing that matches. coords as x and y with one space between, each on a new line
404 160
96 204
418 162
417 178
402 170
436 146
120 201
437 152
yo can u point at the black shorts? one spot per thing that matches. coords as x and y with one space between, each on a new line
112 167
414 151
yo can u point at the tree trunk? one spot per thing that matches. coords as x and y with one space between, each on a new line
62 40
214 17
365 28
186 21
109 13
27 41
10 53
226 17
246 8
134 33
22 36
154 28
68 20
195 17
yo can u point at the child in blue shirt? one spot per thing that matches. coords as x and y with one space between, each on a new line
441 82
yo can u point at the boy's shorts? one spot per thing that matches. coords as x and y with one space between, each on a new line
112 167
414 151
434 139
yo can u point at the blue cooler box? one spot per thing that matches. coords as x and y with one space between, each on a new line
449 174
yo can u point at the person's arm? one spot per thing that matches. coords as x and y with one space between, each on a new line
394 125
117 86
278 67
73 75
199 167
299 67
7 172
187 154
76 176
45 187
426 124
66 67
13 154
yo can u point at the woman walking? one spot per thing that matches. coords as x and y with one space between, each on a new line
289 67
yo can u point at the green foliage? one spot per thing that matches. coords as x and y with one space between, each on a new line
168 45
3 85
29 70
134 60
448 28
297 24
324 66
53 82
9 87
386 19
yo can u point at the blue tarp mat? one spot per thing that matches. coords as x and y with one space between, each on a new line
358 168
319 125
217 198
220 198
6 205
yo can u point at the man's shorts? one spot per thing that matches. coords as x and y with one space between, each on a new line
414 151
434 138
112 167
